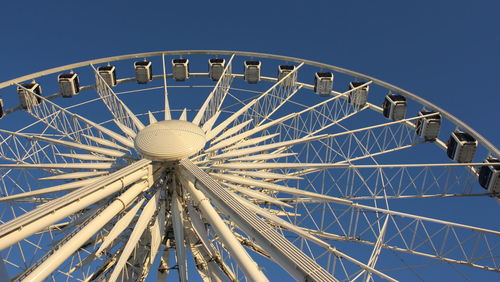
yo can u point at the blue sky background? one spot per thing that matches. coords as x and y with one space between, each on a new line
444 51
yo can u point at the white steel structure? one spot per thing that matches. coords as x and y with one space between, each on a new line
235 179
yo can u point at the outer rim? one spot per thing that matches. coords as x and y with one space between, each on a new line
491 148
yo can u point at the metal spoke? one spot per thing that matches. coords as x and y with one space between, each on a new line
55 210
232 245
298 259
139 228
116 106
270 92
73 244
71 125
178 226
165 91
215 99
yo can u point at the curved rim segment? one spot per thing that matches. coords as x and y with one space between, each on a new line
491 148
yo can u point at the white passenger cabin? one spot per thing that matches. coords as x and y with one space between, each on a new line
394 107
428 127
180 69
358 97
252 71
216 68
108 74
461 147
143 72
323 83
26 92
489 176
69 84
283 71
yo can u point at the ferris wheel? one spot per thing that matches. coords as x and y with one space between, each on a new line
229 166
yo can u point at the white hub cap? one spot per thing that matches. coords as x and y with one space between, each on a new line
169 140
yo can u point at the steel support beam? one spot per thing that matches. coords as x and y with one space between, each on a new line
245 262
291 258
55 210
71 246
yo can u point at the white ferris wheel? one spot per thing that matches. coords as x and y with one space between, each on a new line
155 166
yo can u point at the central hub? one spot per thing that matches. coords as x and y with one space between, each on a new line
169 140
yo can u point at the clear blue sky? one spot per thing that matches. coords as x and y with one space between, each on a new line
444 51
